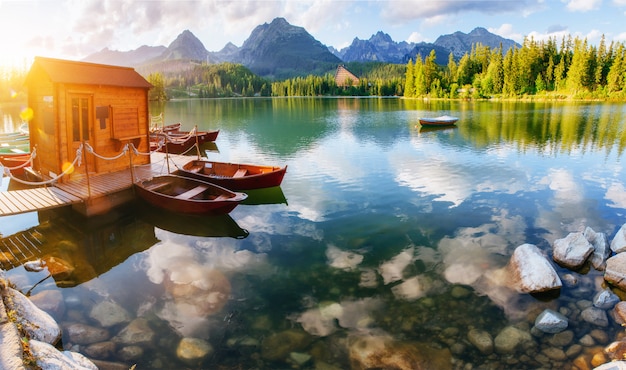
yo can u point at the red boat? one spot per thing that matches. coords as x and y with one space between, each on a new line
234 176
15 162
174 127
181 141
186 195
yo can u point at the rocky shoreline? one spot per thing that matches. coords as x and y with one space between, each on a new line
543 335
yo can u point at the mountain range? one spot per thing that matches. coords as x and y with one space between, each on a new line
280 50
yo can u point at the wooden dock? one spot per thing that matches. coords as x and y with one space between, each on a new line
82 191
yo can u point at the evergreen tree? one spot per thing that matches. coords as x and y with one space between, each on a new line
409 84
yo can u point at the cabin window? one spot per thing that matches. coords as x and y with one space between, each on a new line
80 119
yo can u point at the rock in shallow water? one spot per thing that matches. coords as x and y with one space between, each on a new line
572 251
109 313
193 351
531 271
482 340
550 321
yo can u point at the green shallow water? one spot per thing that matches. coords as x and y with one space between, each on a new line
379 229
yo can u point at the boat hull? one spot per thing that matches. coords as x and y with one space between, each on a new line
169 192
176 145
225 174
16 161
438 121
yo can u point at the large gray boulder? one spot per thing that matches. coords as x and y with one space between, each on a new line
50 358
37 323
572 251
601 248
531 271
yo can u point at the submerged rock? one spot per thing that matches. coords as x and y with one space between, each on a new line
50 301
605 299
595 316
531 271
193 351
550 321
510 339
109 313
482 340
138 332
80 333
278 346
382 352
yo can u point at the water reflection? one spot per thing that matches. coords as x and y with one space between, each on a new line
392 237
205 226
75 249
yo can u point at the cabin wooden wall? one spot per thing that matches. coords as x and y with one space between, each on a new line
44 127
128 121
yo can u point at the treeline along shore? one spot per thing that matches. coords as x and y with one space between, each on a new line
571 68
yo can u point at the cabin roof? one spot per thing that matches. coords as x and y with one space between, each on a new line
342 75
73 72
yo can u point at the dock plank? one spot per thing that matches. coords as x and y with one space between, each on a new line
79 189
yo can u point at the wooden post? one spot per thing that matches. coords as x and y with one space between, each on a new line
130 162
197 145
167 152
84 154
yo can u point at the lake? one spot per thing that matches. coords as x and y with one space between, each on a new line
381 239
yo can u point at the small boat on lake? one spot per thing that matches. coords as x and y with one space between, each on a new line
185 195
171 128
178 142
235 176
16 162
438 121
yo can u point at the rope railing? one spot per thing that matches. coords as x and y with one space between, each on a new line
136 151
70 168
120 155
169 137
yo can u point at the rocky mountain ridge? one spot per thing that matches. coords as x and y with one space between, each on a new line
281 50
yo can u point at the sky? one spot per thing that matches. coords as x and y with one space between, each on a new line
74 29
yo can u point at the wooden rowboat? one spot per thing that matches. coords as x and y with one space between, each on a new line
233 176
174 127
181 141
438 121
15 161
184 195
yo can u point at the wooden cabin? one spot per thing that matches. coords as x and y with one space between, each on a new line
76 102
345 78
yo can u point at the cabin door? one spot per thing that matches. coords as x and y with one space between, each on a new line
80 121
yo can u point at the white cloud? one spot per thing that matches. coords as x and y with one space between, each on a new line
415 37
616 193
506 31
583 5
408 10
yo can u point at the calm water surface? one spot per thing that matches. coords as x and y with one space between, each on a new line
379 230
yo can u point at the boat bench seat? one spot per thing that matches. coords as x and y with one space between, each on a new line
157 186
240 173
192 192
221 197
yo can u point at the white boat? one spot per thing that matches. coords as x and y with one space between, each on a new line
438 121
